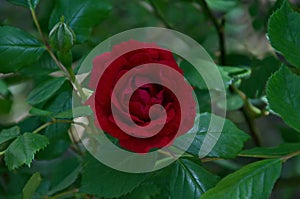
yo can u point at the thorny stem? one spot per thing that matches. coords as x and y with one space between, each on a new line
219 28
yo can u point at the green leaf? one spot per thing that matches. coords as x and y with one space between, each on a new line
191 179
229 144
5 105
261 70
145 191
75 112
8 134
253 181
58 132
39 112
222 5
80 15
276 152
25 3
236 72
66 182
21 151
284 96
104 181
45 91
284 31
31 186
43 67
17 49
4 91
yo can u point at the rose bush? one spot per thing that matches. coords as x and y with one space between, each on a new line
108 69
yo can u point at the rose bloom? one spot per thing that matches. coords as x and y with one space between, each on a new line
111 66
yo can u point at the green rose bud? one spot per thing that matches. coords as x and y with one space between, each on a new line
61 37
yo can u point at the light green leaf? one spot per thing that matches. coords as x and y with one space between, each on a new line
191 179
80 15
45 90
8 134
21 151
31 186
17 49
284 31
276 152
25 3
236 72
229 144
253 181
284 96
98 180
67 181
75 112
39 112
222 5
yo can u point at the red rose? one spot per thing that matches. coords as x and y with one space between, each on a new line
111 66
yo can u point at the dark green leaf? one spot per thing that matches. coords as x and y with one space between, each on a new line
145 191
43 67
80 15
283 31
5 105
284 96
98 179
253 181
229 144
8 134
21 151
31 186
67 181
279 151
17 49
255 85
25 3
45 90
191 179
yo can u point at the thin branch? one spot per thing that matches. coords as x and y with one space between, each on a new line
36 22
43 127
220 28
289 156
159 15
65 194
250 113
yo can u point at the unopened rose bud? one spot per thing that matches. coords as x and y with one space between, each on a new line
62 37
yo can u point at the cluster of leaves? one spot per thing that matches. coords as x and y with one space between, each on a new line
41 156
